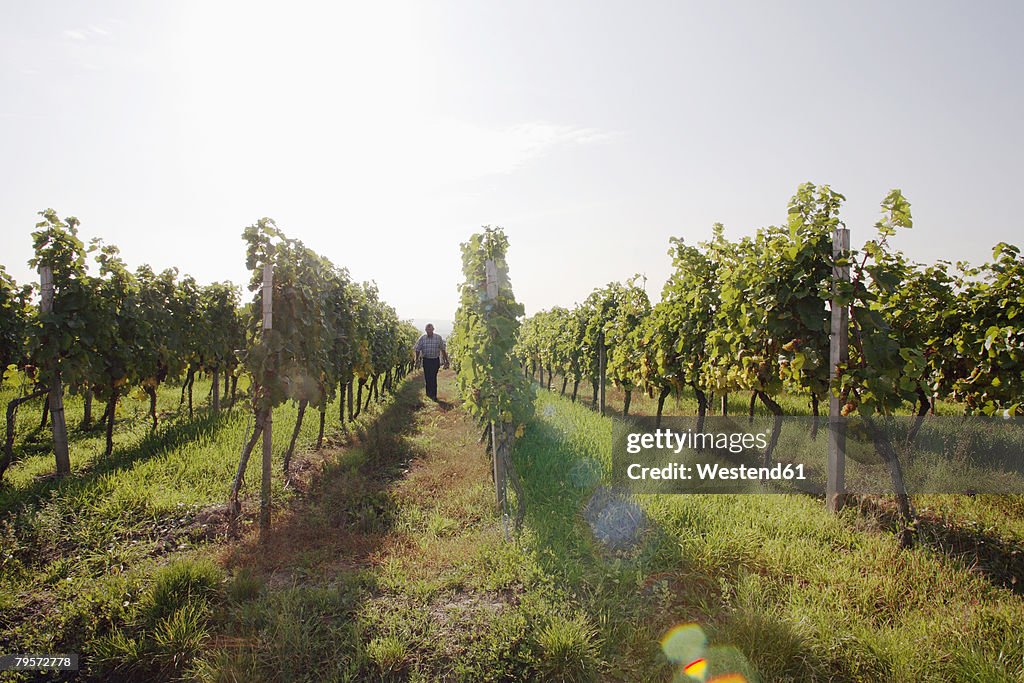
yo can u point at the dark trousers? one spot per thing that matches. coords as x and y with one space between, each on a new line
430 368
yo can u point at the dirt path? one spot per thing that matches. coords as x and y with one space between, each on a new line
393 565
400 527
416 454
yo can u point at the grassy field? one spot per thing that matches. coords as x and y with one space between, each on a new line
388 561
800 594
79 554
988 530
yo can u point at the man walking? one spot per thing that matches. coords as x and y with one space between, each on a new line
430 348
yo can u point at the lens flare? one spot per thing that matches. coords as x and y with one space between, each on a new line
615 521
685 644
698 669
585 474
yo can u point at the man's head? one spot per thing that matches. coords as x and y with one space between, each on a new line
430 330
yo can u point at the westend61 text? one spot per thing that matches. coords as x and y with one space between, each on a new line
715 472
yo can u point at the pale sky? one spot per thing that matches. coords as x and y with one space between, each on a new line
384 134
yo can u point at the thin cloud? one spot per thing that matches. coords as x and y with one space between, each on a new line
535 139
82 34
592 136
475 151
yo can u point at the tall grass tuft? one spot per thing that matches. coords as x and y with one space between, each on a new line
568 650
245 586
182 584
389 653
171 628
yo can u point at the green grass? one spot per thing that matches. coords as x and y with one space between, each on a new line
169 631
391 564
80 554
395 567
801 594
985 531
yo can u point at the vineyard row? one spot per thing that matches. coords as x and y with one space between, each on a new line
106 333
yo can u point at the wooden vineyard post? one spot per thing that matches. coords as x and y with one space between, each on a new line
838 354
492 279
56 393
602 368
216 390
268 323
498 444
498 452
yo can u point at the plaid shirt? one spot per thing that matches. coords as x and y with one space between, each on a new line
430 347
